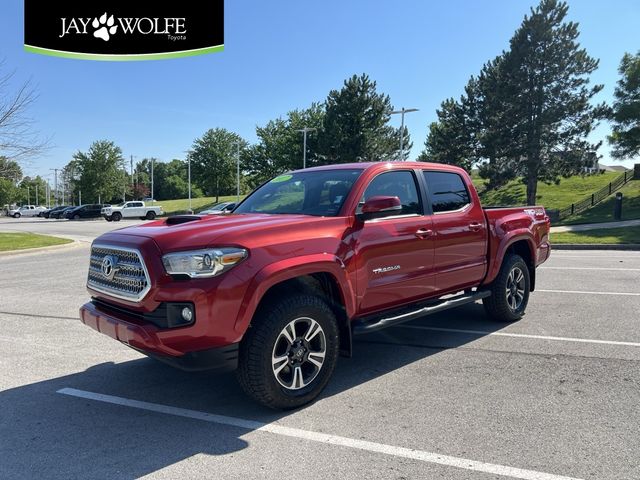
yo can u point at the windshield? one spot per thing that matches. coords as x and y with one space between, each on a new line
319 193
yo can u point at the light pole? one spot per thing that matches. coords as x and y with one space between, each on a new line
28 196
189 159
402 112
304 144
55 185
36 204
152 197
238 172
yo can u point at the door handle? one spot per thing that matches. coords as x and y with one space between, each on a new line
475 226
424 233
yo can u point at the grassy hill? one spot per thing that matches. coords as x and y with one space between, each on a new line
603 212
569 190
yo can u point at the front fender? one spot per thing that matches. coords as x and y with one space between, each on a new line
288 269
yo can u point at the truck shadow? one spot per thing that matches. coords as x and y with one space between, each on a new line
44 432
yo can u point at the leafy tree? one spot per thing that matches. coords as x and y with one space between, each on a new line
625 114
356 125
9 193
99 173
10 169
28 188
213 161
280 146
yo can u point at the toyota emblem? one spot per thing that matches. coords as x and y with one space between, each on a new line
108 267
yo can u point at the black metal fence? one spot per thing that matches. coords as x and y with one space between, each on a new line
592 199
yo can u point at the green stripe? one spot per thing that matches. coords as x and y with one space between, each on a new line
123 58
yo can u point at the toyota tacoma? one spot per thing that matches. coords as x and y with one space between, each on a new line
277 289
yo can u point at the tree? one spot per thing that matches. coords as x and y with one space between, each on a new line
625 114
280 146
29 187
9 193
548 98
213 161
18 138
10 169
99 173
356 125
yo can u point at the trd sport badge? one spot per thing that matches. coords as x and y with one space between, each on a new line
123 30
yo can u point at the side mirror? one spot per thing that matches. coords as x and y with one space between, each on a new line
380 206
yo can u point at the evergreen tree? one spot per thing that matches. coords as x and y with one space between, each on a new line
625 114
356 125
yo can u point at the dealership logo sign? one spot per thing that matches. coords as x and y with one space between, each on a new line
124 30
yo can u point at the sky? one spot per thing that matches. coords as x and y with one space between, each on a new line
285 54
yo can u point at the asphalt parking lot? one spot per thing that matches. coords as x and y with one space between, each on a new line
451 396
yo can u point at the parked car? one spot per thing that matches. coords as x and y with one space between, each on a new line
60 214
85 211
133 209
25 211
52 213
219 209
277 289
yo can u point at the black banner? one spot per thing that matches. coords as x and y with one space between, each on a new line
123 29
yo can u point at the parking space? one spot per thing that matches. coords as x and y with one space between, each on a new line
452 396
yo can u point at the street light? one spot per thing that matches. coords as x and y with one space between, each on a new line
304 147
55 185
152 197
237 144
189 159
402 112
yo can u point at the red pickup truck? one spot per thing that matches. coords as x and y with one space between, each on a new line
277 288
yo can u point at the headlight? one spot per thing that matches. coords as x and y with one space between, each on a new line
203 263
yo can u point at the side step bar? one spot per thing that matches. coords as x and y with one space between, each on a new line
362 326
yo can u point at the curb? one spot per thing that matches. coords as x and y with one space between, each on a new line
595 246
74 243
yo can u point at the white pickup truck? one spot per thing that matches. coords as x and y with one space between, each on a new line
133 209
26 211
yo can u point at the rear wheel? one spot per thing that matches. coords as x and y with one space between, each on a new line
151 215
289 352
509 291
116 217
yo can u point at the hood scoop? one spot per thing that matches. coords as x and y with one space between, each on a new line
179 219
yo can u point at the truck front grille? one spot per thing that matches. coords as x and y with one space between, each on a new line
118 272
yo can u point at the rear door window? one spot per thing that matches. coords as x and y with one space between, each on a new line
447 191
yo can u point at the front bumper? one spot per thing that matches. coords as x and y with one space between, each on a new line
145 339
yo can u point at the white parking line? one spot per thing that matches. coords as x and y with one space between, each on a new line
522 335
419 455
590 268
633 294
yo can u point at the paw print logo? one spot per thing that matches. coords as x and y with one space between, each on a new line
104 28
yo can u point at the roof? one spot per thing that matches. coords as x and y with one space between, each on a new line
389 165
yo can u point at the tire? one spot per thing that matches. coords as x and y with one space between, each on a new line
108 219
509 306
151 215
76 217
296 380
16 215
116 217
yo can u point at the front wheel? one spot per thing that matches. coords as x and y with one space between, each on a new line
509 291
116 217
76 217
17 215
289 352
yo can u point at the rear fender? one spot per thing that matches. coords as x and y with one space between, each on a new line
288 269
505 242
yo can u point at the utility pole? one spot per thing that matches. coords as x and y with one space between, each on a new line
48 195
79 197
28 196
152 197
402 112
189 158
55 185
304 144
238 172
36 204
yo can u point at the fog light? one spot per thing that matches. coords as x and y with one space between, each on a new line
187 314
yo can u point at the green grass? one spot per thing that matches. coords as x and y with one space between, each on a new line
603 212
22 241
568 191
182 204
600 235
